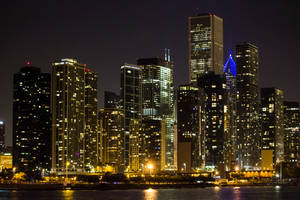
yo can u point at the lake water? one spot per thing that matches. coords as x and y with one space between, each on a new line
235 193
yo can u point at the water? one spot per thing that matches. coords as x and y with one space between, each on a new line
235 193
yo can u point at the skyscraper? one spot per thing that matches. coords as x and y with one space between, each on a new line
292 133
130 100
205 45
230 114
91 116
74 113
272 126
2 136
111 127
216 120
190 123
158 99
31 120
248 135
111 100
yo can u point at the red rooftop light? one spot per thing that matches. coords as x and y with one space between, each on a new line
28 63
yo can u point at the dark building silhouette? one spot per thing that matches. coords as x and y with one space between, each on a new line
31 120
272 126
216 122
111 100
291 133
190 128
248 133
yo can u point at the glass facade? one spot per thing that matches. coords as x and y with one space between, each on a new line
130 100
205 45
158 100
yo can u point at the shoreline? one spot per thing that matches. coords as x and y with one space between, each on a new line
126 186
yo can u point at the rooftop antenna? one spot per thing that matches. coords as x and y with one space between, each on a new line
197 11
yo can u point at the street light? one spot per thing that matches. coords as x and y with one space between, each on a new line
237 168
150 167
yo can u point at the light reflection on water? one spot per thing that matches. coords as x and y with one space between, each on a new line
150 194
235 193
68 194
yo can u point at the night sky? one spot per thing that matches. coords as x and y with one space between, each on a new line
105 34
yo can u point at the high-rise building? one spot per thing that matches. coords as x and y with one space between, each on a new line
111 127
230 114
291 133
190 126
74 114
205 45
272 126
91 116
31 120
158 99
216 122
248 134
130 100
2 136
150 144
111 100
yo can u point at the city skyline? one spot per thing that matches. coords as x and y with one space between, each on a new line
41 53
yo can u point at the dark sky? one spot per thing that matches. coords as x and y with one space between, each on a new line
105 34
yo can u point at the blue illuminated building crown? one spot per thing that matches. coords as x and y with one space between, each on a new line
231 65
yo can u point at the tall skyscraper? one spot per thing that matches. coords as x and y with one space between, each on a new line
91 116
130 100
2 136
291 133
230 114
272 126
74 114
190 123
216 122
111 100
205 45
31 120
158 99
248 134
111 127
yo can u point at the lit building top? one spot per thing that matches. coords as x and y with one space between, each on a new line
230 65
